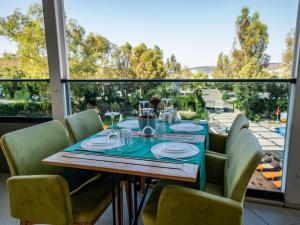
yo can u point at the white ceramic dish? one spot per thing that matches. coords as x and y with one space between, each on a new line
187 127
184 150
99 144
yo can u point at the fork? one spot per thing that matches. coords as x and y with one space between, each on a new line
160 157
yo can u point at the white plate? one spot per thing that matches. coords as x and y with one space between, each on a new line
159 150
188 127
175 147
131 124
99 144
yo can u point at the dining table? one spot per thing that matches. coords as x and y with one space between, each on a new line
136 158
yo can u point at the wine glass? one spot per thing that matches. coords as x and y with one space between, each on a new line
148 130
142 105
112 117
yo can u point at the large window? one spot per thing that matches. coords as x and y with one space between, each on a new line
23 55
199 40
173 41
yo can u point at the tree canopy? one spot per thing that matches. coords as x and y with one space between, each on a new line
287 59
90 55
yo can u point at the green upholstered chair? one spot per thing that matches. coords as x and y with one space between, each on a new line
221 143
82 125
222 200
39 193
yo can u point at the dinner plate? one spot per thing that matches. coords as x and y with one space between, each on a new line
160 150
187 127
175 147
99 143
130 124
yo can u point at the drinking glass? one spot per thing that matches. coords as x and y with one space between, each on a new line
161 129
129 136
126 136
112 117
123 135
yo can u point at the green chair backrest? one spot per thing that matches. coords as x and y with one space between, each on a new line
24 149
82 125
239 123
242 160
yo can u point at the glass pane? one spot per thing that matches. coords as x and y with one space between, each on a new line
22 40
265 104
25 99
172 39
23 55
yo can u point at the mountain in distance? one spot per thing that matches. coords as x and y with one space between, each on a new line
272 68
204 69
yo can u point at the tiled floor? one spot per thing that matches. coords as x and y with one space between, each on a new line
254 214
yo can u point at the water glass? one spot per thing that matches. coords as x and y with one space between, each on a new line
126 136
161 129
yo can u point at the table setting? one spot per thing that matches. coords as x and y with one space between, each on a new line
154 136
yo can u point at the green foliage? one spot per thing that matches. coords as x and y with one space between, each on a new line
28 32
288 54
172 65
94 56
223 68
225 96
31 109
249 60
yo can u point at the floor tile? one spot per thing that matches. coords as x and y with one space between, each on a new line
250 218
295 211
274 215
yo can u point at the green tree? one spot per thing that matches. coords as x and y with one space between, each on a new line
27 30
223 68
288 54
147 63
122 61
250 45
172 66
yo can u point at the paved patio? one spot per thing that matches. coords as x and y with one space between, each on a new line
271 142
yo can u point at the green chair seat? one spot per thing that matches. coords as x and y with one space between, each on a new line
39 193
150 211
91 200
222 200
80 126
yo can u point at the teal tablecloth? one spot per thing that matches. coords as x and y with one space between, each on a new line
141 148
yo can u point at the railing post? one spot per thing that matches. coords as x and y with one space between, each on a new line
54 20
291 178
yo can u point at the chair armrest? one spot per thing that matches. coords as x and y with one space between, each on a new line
180 206
215 164
217 142
41 199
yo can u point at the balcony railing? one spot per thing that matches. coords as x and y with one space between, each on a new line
215 99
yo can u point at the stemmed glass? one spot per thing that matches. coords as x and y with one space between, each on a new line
142 105
166 102
112 117
148 112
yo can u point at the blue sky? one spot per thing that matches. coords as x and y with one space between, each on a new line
196 31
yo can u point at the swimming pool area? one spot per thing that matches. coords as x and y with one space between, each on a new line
280 130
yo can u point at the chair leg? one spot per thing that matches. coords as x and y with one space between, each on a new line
128 196
143 184
120 206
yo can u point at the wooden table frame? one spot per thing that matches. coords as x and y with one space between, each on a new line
130 167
